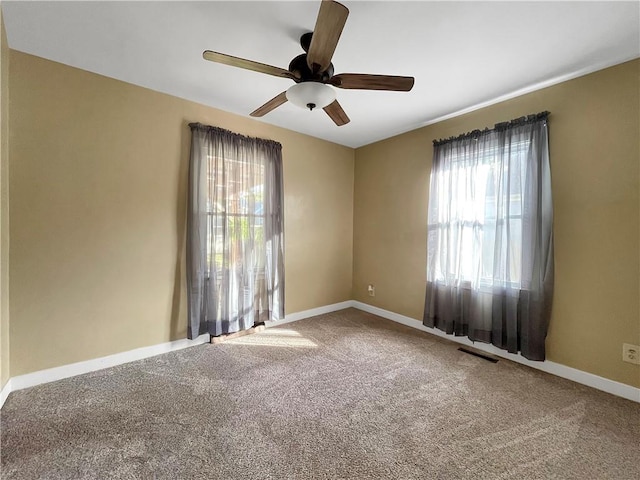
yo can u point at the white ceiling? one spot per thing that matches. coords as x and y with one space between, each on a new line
463 54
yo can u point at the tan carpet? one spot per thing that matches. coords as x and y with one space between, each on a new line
343 395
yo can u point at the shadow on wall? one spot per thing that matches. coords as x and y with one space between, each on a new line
178 306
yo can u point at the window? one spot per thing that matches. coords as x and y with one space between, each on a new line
235 232
483 212
490 241
236 214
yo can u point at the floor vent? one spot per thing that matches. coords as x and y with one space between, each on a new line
484 356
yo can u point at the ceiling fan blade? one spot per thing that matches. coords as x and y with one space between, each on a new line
246 64
364 81
272 104
335 111
331 19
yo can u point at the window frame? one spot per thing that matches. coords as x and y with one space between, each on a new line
489 157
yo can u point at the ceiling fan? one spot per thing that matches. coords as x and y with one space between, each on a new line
313 71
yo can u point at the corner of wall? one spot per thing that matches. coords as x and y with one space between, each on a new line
4 207
353 218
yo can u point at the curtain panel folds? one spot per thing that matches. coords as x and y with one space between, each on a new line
490 239
235 232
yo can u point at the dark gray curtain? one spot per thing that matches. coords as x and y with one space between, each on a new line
490 237
235 232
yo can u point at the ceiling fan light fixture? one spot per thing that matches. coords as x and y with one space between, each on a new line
311 95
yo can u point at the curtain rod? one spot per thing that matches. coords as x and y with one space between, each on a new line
497 127
223 131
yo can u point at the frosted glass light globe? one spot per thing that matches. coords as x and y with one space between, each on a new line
311 95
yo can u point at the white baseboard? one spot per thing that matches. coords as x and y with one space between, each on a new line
58 373
294 317
578 376
65 371
4 393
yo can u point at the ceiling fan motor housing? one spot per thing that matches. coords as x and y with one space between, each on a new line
300 68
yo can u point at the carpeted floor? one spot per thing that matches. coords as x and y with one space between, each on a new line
342 395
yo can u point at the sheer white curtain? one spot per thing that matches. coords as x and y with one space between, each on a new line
490 239
235 230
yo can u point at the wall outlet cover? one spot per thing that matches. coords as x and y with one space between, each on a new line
631 353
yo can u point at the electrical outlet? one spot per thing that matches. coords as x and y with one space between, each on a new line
631 353
371 290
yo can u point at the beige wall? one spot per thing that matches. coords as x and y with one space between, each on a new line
97 194
98 176
594 134
4 206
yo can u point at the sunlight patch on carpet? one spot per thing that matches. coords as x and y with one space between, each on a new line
275 338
